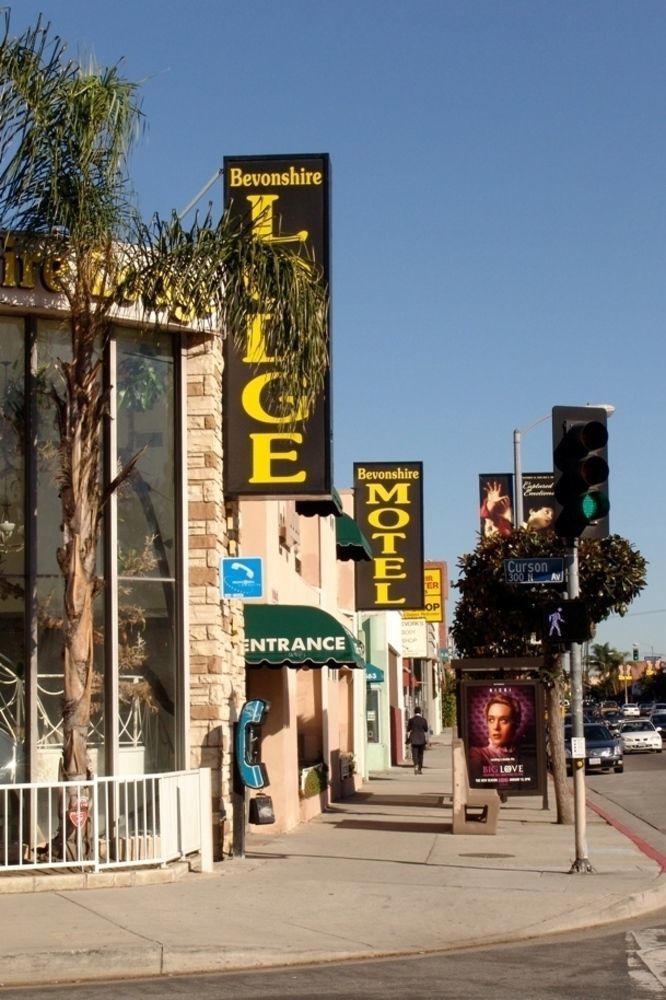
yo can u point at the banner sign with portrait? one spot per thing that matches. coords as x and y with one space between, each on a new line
388 508
538 500
285 200
496 504
503 729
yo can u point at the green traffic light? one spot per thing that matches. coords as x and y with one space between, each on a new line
594 506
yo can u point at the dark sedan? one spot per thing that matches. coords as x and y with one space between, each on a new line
603 750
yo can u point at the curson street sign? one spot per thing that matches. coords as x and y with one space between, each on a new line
547 569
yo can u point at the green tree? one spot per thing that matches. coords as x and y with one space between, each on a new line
66 135
493 618
606 661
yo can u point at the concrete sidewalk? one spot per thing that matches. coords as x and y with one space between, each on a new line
346 885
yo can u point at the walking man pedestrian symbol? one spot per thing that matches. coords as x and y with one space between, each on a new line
555 622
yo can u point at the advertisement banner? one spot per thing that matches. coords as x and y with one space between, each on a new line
433 610
496 504
388 508
503 731
286 201
538 500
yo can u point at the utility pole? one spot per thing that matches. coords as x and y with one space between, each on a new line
582 862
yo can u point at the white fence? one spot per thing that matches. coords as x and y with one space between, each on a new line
103 823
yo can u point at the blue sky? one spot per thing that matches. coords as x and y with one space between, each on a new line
499 218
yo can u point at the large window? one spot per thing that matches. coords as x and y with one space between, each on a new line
147 619
135 702
12 553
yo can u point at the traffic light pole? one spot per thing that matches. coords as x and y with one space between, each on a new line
582 863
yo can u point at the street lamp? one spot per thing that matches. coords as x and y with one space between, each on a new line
518 468
625 675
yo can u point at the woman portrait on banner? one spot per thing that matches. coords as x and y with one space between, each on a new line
504 759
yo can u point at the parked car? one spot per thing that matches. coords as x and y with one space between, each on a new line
609 706
613 720
640 734
647 708
658 720
603 751
630 709
659 706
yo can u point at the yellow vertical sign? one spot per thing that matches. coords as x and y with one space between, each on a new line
434 597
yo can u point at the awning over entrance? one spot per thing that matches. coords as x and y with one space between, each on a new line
321 506
373 674
296 635
350 542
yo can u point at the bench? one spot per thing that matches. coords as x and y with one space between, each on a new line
475 810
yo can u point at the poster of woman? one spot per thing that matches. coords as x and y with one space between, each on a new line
503 734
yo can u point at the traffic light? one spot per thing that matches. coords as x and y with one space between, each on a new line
634 655
580 466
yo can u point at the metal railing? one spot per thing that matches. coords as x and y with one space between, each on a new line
108 822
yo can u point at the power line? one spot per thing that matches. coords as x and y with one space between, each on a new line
635 614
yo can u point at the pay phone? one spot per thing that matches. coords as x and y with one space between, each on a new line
251 770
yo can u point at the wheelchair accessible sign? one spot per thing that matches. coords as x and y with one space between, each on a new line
242 576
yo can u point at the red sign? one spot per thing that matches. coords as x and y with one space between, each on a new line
79 811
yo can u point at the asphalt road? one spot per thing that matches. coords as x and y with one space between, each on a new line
626 964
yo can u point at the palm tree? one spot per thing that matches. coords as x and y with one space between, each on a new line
66 134
606 661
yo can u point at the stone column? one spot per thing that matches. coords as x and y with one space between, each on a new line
217 663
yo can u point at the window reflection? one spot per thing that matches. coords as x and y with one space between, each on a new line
144 383
146 555
12 553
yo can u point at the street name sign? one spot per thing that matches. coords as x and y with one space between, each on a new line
547 569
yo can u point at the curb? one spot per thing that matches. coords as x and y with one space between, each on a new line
74 881
152 960
651 852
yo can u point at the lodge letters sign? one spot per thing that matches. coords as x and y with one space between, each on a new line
286 200
388 507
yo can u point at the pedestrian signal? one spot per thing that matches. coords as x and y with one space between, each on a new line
566 621
580 466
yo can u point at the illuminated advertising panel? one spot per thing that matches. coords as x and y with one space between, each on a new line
503 732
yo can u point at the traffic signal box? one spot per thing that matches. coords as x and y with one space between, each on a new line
580 466
566 621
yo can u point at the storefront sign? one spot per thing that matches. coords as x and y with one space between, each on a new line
414 639
433 611
286 201
388 508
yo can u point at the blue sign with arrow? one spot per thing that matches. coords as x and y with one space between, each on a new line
241 576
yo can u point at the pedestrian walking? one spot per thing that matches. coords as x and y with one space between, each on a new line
417 737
